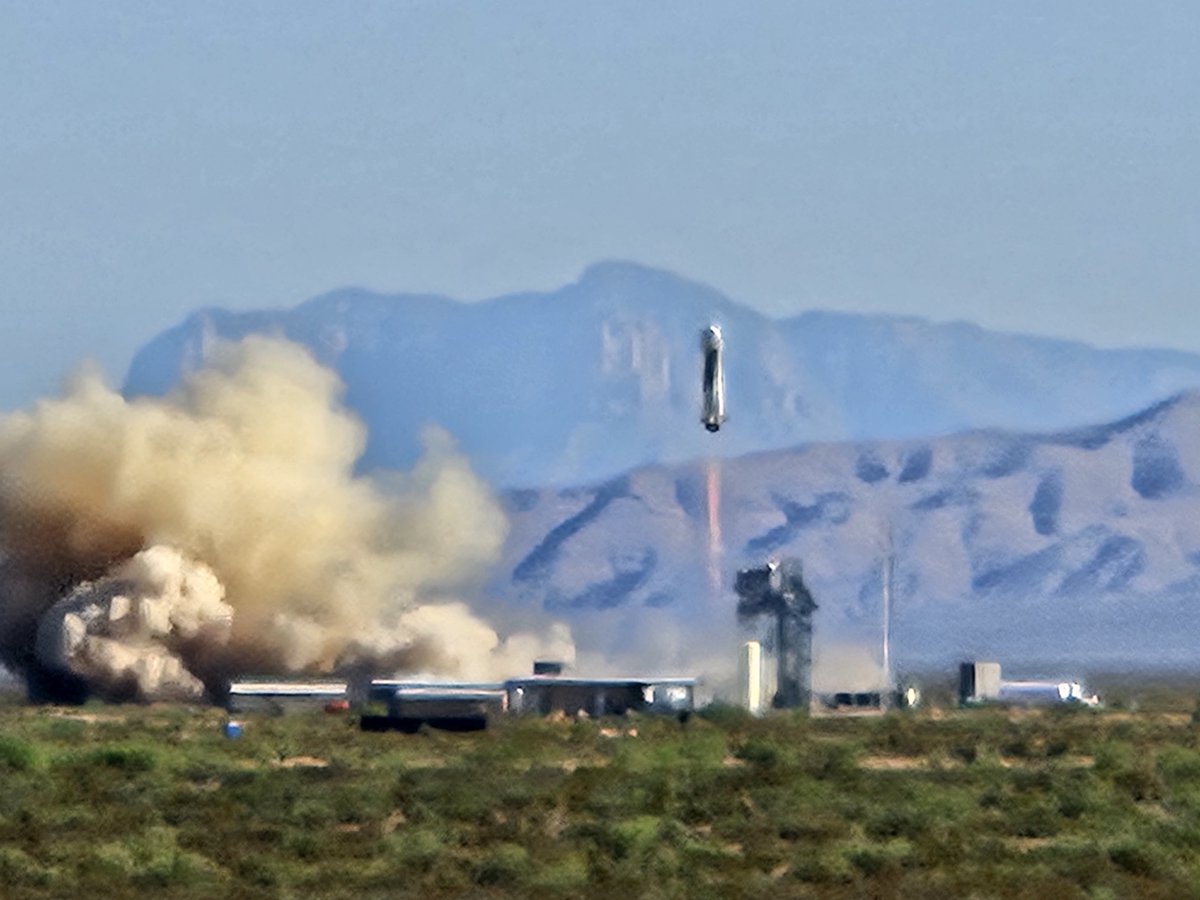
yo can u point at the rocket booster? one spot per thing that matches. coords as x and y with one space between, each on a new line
713 347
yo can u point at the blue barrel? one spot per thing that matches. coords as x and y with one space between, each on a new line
233 730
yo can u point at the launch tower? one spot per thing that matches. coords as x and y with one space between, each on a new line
778 590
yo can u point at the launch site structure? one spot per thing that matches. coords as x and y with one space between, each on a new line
750 677
778 590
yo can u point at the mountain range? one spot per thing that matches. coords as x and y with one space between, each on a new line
1079 545
602 375
1019 528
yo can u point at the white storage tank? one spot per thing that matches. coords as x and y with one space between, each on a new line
1040 693
750 677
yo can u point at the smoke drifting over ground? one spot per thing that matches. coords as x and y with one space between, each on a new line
151 546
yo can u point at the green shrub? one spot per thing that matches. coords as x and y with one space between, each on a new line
112 861
758 751
503 864
836 761
1076 792
131 758
1113 756
873 859
306 845
902 821
965 753
823 866
1178 764
1129 770
419 847
1141 783
1083 862
1138 857
1033 818
561 877
634 837
150 859
258 871
67 731
727 716
314 812
812 826
17 754
19 869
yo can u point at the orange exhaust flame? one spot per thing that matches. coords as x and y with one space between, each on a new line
714 525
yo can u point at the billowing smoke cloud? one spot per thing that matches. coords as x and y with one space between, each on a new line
117 632
155 545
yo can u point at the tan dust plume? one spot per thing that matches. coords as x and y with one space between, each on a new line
150 545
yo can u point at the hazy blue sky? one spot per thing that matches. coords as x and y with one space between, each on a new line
1029 166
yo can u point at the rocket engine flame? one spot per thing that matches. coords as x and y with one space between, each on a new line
713 484
151 547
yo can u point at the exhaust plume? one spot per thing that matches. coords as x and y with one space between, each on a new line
713 496
151 547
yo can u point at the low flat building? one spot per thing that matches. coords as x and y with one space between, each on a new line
981 683
283 696
445 706
906 697
383 690
545 695
405 705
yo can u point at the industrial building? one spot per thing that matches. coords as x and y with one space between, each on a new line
376 692
450 707
777 591
855 700
907 697
544 695
978 682
284 696
981 682
467 706
407 704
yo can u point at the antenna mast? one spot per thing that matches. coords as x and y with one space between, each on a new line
889 570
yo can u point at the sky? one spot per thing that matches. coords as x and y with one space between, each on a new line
1027 166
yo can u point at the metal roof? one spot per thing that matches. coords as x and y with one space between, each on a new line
401 684
287 688
448 693
643 681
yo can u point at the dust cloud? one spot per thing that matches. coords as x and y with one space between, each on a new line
151 548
